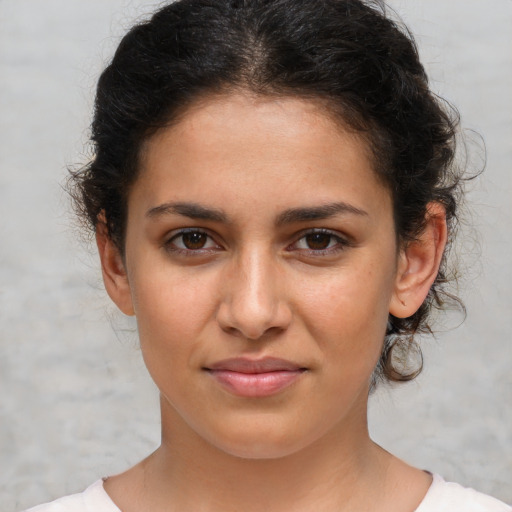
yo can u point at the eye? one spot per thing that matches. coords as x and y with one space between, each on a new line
320 242
191 240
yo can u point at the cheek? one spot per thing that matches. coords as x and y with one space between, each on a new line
172 310
347 313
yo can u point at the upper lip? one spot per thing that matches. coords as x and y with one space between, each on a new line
245 365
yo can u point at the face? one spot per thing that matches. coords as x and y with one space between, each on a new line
261 263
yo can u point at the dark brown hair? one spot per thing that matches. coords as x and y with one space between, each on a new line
363 65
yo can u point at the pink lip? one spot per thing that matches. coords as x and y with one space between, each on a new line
255 378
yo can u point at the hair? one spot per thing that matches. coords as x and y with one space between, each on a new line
363 66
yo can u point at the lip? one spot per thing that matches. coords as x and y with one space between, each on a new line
255 378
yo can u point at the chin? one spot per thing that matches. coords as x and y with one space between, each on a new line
262 442
260 450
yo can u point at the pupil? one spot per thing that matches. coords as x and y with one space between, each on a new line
318 240
194 240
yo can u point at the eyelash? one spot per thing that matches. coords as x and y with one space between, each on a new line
341 243
171 247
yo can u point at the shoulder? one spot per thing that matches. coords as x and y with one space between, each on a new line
93 499
451 497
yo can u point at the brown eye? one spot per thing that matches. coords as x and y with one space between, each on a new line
191 241
318 241
194 240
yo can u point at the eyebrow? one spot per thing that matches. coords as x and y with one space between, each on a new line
322 212
191 210
290 216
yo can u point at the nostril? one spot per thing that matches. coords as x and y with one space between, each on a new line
253 334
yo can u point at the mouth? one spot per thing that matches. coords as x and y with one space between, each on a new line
255 378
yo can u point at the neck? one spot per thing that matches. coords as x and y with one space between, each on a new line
343 471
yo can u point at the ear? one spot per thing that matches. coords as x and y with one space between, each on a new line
418 264
113 269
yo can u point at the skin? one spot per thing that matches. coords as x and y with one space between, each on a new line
258 279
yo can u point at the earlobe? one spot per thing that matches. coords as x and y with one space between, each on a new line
419 263
113 269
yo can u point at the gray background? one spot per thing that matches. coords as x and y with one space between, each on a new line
75 400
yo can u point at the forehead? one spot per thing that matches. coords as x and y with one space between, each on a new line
277 150
243 114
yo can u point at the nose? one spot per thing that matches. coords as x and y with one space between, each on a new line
253 304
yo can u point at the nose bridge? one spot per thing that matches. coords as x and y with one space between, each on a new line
254 301
256 281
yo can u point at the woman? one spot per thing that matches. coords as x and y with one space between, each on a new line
272 194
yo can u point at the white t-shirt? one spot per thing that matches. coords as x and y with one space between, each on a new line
441 497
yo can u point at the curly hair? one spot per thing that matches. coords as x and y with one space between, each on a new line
363 65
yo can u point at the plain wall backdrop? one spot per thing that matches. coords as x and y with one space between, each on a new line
75 400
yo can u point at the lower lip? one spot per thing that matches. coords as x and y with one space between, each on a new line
255 384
